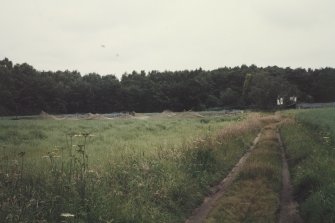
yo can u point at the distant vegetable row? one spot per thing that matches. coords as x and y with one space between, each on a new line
24 90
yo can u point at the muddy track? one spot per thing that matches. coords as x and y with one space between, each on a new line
288 207
200 214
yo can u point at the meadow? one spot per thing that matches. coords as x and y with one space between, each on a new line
153 169
309 140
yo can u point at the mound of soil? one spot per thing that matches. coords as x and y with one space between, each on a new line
45 115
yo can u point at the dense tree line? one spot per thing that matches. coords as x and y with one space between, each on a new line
24 90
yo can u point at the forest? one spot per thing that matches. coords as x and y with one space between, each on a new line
27 91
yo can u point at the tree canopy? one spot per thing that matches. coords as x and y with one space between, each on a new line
25 90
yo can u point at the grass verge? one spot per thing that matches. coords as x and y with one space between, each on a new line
311 154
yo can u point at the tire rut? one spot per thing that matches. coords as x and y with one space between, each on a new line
200 214
288 207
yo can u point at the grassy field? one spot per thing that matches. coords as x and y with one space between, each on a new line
108 137
309 141
120 170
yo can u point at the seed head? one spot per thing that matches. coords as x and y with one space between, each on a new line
67 215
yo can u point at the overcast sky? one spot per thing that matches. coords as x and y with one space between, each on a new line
117 36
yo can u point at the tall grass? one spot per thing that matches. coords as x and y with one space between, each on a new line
310 148
115 171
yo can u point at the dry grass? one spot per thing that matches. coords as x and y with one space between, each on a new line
252 123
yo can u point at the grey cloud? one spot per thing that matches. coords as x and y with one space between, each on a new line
162 34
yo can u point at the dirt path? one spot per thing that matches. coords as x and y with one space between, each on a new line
288 207
200 214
